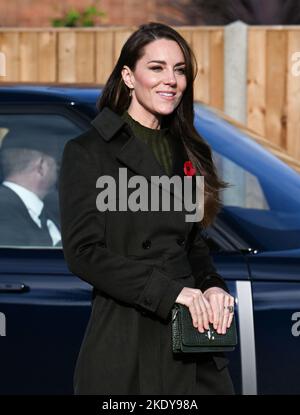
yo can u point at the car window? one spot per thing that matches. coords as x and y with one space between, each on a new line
264 211
31 147
245 190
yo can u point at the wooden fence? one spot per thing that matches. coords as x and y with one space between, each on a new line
272 88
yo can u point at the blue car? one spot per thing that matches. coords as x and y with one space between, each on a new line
255 243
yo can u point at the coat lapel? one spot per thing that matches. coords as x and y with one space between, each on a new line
135 154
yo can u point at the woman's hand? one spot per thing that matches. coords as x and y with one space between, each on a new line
221 302
198 305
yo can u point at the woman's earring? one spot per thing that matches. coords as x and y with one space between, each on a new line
130 92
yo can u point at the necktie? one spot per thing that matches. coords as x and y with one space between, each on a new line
43 218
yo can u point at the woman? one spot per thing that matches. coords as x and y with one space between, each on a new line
140 262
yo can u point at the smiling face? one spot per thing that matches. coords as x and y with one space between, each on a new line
158 82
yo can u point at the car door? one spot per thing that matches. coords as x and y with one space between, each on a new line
276 298
263 207
43 307
45 310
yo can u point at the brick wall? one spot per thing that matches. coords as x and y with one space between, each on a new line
38 13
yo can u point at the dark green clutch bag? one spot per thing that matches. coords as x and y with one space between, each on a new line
187 339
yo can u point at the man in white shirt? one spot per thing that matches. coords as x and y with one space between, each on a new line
30 173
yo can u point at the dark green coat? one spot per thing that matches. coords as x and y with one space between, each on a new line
137 262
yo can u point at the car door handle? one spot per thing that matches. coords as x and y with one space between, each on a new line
7 287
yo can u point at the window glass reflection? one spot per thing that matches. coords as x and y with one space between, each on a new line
30 154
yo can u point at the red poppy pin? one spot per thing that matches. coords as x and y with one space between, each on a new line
189 169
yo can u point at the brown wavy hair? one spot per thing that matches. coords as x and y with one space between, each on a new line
115 95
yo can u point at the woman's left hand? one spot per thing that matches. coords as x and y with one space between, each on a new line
221 303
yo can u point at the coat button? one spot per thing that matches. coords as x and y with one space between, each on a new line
181 241
146 244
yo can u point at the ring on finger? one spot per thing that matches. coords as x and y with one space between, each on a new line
230 308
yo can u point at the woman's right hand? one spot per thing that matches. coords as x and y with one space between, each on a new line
199 307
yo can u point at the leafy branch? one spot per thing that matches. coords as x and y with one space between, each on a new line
75 18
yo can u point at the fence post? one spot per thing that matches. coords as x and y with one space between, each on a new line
235 104
235 70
